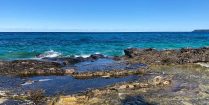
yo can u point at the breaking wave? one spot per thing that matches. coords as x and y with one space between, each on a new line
49 54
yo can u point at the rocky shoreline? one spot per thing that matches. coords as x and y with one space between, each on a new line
49 66
165 57
155 77
53 66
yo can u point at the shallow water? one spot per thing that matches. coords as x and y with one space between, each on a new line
68 85
98 65
105 65
56 85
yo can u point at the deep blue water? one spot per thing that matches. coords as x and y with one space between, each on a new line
28 45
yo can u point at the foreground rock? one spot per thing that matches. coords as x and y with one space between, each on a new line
32 97
110 95
163 85
182 56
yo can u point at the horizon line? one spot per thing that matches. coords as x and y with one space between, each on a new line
90 31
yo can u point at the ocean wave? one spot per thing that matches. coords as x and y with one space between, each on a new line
49 54
84 55
53 54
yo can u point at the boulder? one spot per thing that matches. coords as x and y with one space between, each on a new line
132 52
97 56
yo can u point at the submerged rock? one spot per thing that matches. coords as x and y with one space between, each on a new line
113 73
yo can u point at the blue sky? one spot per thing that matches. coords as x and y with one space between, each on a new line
103 15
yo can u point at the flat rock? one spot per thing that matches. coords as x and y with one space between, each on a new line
165 57
30 67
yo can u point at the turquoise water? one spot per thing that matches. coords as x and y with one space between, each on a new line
28 45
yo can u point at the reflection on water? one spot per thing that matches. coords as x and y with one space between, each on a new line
58 84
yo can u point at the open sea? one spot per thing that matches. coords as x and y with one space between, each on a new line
27 45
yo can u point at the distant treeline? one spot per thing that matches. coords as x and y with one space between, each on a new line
207 30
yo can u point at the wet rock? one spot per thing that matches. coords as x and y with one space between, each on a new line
167 82
132 52
30 67
69 71
161 80
113 73
116 58
187 86
143 85
37 96
97 56
157 80
74 60
123 87
165 57
66 60
130 86
134 100
70 100
67 101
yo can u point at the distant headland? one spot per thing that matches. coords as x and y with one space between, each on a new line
201 30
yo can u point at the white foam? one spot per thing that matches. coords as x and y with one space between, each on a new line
84 55
31 82
49 54
97 53
43 80
27 83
